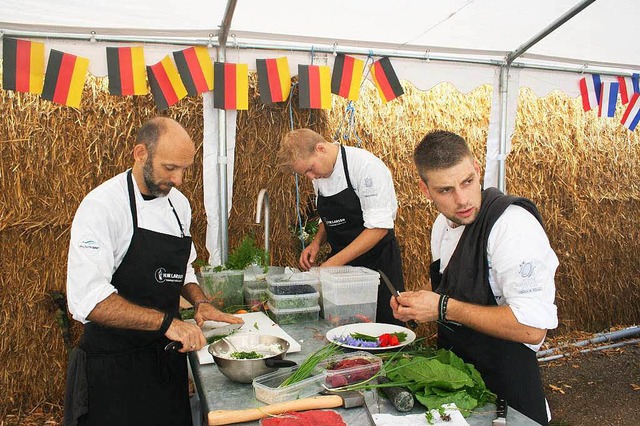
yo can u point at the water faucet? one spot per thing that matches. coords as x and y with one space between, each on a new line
263 198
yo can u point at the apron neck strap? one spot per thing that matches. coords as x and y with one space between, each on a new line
344 164
132 200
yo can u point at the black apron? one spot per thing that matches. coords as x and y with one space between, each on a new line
509 369
132 380
342 217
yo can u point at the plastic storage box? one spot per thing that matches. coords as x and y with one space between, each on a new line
350 368
296 283
253 297
338 315
223 288
292 316
349 294
294 301
266 387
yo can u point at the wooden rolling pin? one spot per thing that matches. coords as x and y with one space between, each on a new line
345 399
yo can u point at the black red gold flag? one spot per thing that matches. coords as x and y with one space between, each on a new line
231 86
347 77
314 82
274 79
65 77
195 68
166 86
127 71
22 65
386 80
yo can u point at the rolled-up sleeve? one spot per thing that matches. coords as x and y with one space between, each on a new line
523 267
90 261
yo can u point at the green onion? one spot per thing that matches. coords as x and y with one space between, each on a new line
306 368
246 355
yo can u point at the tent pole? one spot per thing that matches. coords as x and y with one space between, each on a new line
222 139
504 83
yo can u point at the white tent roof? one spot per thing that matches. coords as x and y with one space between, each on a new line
605 33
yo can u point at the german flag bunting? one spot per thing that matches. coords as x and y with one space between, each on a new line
166 86
314 83
22 65
195 68
231 86
127 71
386 80
274 79
347 77
65 77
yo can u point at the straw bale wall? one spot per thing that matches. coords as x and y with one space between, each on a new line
581 171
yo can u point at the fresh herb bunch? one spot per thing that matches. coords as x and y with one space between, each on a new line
306 368
247 253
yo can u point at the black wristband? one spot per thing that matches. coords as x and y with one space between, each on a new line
166 323
441 307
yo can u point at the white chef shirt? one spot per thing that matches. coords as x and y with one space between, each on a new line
372 182
522 265
101 233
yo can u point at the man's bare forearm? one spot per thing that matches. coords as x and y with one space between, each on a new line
116 311
192 292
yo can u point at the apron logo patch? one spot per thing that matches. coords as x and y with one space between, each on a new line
368 182
163 276
335 222
89 244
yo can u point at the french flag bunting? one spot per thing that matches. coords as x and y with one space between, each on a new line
608 99
628 86
590 90
631 115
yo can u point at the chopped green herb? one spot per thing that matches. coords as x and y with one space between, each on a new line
246 355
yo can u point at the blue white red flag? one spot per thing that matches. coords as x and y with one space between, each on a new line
635 78
626 89
608 99
590 91
631 115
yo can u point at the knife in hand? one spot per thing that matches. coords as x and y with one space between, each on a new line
218 331
395 294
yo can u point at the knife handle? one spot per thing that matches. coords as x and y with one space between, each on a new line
412 323
173 346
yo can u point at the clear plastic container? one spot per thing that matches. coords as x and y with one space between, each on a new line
223 288
296 283
349 292
255 297
293 316
294 301
338 315
266 387
349 368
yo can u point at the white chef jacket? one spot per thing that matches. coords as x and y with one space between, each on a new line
522 265
372 182
101 233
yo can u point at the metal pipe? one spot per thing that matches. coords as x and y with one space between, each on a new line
502 153
599 348
599 338
548 30
222 139
263 198
504 84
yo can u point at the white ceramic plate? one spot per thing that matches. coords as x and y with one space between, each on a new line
372 329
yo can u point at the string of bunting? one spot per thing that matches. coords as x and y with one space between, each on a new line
190 73
598 93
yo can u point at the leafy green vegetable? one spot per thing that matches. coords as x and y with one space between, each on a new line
442 379
187 313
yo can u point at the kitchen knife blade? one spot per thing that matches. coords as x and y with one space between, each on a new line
218 331
501 408
395 294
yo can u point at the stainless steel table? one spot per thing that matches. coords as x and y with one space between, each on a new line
216 392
